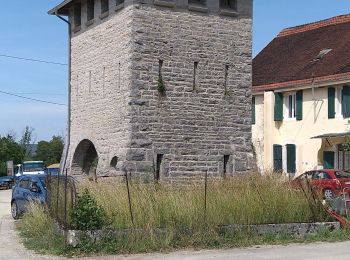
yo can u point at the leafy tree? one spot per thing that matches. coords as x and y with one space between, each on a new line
10 150
26 142
50 152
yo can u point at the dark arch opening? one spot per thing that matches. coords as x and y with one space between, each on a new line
85 159
114 162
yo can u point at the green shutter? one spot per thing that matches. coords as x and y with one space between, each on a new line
277 158
328 160
291 158
253 110
346 101
299 105
331 102
278 106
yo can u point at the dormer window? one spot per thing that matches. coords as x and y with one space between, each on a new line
90 10
197 2
228 4
77 15
104 6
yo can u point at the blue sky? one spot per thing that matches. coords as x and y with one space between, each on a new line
27 31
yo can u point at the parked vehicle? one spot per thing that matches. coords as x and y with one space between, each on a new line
30 167
28 188
328 182
53 169
6 182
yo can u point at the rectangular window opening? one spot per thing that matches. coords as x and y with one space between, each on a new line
158 166
195 66
77 15
90 10
104 6
228 4
226 160
197 2
119 2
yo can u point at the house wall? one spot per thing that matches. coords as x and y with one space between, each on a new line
309 152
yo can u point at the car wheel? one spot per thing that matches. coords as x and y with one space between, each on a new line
328 194
14 210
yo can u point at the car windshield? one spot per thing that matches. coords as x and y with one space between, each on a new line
342 174
33 166
43 180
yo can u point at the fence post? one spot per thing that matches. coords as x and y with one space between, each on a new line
57 198
65 205
129 198
205 195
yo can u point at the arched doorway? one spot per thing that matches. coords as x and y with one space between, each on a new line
85 159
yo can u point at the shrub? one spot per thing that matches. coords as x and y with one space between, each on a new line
86 214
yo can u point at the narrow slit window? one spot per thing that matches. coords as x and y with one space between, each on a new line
104 6
226 160
226 77
90 10
77 15
160 68
195 66
158 167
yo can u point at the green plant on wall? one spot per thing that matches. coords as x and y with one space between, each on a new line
161 85
346 143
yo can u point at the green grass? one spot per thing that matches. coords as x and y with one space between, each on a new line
180 209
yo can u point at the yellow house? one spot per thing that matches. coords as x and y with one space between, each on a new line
301 98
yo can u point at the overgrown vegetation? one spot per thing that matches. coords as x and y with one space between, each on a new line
161 85
87 215
168 217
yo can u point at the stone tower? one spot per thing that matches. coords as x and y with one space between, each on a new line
160 87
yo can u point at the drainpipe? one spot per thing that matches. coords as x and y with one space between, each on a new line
66 149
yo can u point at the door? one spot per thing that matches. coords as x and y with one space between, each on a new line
328 160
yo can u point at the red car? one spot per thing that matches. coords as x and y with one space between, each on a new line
328 182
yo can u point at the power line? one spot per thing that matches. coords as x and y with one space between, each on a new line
32 99
33 60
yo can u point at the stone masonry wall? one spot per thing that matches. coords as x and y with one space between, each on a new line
193 129
101 61
201 117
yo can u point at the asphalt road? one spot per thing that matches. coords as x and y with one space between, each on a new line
11 248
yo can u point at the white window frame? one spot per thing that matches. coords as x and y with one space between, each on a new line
338 102
290 107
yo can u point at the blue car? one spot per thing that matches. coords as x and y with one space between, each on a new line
28 188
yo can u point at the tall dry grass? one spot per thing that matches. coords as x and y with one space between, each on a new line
242 200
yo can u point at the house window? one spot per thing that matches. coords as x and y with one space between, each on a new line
338 102
228 4
290 105
90 10
104 6
197 2
77 15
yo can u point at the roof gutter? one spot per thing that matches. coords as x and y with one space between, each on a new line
67 143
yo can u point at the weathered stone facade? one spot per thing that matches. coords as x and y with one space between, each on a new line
203 120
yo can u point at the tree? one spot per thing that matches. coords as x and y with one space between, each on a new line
26 142
9 151
50 152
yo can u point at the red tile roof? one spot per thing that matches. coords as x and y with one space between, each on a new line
290 59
